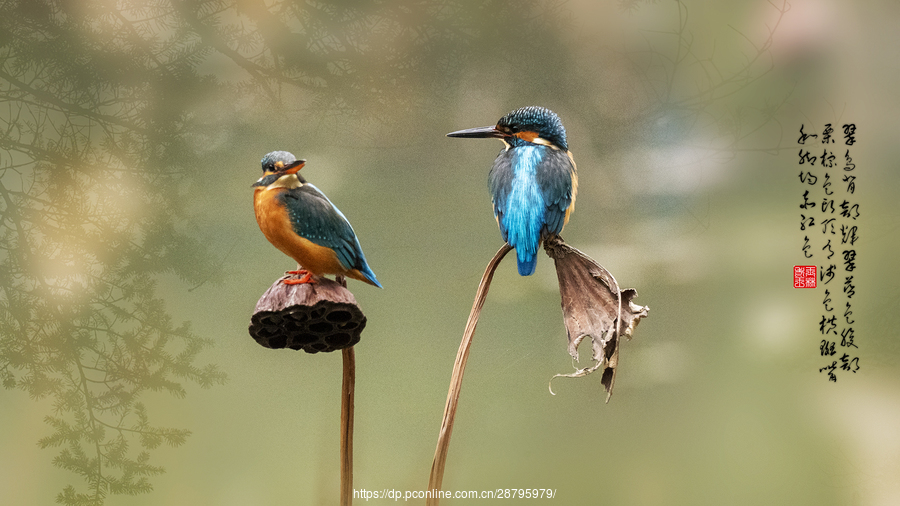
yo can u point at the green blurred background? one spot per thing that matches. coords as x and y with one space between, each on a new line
132 132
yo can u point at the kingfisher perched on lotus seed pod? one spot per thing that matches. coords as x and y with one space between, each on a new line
299 220
533 182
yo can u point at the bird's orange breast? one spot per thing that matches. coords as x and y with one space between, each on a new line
275 224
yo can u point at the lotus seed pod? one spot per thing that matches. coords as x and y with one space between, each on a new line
313 317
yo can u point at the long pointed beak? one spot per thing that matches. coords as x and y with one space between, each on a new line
478 133
294 167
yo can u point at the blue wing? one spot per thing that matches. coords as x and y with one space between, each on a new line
499 184
315 218
558 180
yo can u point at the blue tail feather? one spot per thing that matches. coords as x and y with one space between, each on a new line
367 272
526 263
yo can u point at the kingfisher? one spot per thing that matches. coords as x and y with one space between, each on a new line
533 181
298 219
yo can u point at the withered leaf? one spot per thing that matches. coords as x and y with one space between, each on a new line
593 306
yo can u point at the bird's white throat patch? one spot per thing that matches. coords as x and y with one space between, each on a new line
288 181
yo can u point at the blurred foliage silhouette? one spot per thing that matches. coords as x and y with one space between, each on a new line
95 153
679 85
668 67
104 125
101 144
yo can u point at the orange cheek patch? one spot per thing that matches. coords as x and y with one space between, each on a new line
527 136
294 170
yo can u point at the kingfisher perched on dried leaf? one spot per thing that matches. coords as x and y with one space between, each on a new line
533 181
299 220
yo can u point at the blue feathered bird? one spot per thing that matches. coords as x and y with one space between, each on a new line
299 220
533 182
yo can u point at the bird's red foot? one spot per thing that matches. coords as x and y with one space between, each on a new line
305 277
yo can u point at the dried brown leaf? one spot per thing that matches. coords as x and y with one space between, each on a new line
593 306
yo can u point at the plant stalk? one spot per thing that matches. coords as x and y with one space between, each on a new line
348 386
462 356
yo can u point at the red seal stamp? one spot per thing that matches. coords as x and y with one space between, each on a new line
804 276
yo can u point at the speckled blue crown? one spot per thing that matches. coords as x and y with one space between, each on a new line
268 161
536 119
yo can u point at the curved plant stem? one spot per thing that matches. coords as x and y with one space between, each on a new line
462 356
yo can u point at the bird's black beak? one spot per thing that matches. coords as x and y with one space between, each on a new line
293 167
488 132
